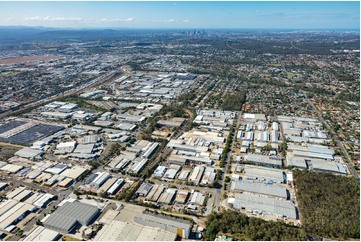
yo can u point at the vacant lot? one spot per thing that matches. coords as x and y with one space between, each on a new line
27 59
8 150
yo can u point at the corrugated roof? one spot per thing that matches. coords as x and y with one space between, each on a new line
264 173
265 205
66 216
260 188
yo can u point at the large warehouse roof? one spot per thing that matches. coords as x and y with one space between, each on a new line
321 165
66 216
265 205
29 153
263 173
42 234
295 161
264 159
60 222
260 188
124 231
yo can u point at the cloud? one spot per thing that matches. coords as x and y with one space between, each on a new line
117 20
301 15
185 21
47 18
65 19
36 18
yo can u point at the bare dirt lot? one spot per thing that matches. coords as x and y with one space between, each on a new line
8 150
27 59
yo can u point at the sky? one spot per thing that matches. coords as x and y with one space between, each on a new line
169 14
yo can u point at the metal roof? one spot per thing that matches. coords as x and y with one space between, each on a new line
258 172
60 222
265 205
264 159
331 166
296 161
68 214
260 188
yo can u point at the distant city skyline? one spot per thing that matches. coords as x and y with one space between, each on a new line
185 15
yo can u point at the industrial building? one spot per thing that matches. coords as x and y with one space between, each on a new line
264 174
196 175
43 200
264 160
125 231
29 153
155 193
107 185
311 151
56 115
65 148
12 211
168 196
149 150
264 205
101 178
70 215
11 168
327 166
138 165
42 234
90 139
79 129
183 174
173 123
160 171
197 198
144 189
182 197
259 188
74 172
295 161
115 187
208 176
179 226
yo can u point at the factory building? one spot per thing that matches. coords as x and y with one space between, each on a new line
264 174
179 226
264 160
264 205
67 217
155 193
100 179
259 188
144 189
196 175
167 196
42 234
30 153
115 187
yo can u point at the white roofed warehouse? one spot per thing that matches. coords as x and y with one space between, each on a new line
264 205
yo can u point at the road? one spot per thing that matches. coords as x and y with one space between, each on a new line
228 162
335 137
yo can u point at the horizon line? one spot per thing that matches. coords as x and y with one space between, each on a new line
174 28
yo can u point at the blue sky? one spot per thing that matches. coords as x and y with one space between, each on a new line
255 14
